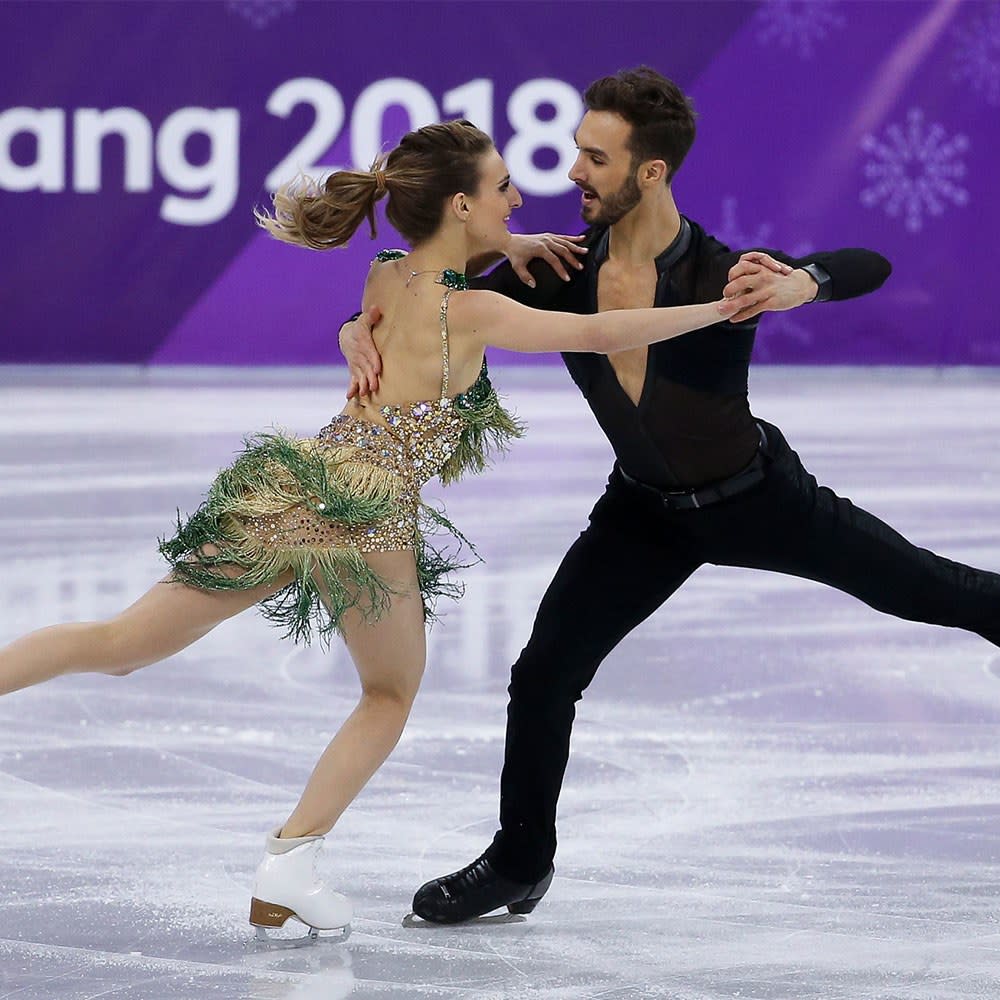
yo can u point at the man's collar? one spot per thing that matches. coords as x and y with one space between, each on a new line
663 261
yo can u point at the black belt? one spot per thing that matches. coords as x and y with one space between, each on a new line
750 475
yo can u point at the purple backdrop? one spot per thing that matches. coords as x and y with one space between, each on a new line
822 124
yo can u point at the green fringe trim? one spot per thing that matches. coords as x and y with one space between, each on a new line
488 431
275 473
435 564
327 581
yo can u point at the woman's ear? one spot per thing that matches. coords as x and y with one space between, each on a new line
460 206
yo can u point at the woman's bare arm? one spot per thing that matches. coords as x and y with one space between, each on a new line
497 321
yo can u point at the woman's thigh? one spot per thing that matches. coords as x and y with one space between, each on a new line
390 653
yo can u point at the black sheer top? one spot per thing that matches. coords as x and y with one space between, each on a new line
692 425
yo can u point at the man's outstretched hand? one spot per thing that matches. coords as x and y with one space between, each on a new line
764 284
363 359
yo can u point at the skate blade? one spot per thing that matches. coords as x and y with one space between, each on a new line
267 939
412 920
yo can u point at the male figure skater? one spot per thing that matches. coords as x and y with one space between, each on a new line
698 479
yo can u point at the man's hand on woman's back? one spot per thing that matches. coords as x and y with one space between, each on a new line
358 347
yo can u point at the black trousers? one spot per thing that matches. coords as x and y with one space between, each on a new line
634 554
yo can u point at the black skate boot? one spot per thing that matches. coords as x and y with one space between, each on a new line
476 889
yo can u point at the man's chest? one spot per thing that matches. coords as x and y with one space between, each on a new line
618 288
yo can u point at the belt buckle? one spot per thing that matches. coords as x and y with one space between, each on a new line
672 501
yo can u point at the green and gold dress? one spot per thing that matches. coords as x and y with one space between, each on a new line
316 505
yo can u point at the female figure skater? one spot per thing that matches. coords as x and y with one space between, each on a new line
326 534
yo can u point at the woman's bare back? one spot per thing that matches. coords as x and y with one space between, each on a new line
409 340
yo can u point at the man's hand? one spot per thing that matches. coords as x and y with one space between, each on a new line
550 247
763 284
358 347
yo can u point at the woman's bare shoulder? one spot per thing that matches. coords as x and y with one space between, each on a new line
382 276
467 310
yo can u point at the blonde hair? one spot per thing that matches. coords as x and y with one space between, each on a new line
428 166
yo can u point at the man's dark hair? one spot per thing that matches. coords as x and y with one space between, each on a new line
662 118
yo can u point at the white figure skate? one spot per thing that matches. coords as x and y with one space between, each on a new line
288 886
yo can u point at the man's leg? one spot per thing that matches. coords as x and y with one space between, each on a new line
792 525
620 570
617 573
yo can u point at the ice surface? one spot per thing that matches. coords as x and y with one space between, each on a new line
775 792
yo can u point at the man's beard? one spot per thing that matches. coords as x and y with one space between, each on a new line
616 205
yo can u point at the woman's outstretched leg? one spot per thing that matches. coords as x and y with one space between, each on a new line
389 656
166 619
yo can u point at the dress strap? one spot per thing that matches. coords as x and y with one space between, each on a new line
383 255
444 342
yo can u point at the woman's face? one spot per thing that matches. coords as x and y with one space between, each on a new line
490 208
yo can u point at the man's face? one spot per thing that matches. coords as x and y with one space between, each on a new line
604 170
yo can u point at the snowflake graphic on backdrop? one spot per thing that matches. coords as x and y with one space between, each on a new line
977 54
774 326
914 169
797 24
730 232
260 13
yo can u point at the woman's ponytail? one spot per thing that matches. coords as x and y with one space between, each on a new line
325 216
428 166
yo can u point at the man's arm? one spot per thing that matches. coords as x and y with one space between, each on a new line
536 270
853 271
561 253
818 277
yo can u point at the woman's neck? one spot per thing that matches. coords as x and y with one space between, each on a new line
439 253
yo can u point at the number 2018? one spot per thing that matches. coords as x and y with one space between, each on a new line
473 100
